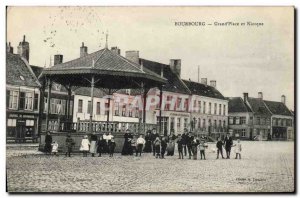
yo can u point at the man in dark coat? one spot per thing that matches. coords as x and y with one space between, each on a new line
48 142
184 140
189 140
228 144
154 135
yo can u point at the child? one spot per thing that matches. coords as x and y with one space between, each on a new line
54 147
194 145
101 146
140 143
133 145
202 146
163 147
157 146
111 147
180 146
85 146
238 149
219 146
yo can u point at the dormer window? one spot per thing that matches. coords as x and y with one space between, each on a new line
22 78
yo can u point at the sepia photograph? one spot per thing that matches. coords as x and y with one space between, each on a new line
150 99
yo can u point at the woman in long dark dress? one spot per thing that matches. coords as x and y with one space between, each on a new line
148 144
127 143
48 142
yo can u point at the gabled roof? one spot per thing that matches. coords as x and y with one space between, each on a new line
278 108
106 65
203 90
258 106
18 72
236 105
174 83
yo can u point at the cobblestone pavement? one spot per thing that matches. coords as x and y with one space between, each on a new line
265 167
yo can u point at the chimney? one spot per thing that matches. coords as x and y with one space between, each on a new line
260 95
9 48
58 59
83 50
116 50
23 49
133 56
204 81
283 99
175 65
245 97
213 83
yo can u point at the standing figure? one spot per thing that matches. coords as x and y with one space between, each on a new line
106 138
127 144
69 145
93 147
140 142
185 140
48 142
163 147
228 145
180 146
219 146
133 145
101 146
202 147
148 143
171 144
194 147
54 147
189 140
154 137
111 147
85 145
238 149
156 143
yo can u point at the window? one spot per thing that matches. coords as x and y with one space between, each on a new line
22 100
220 109
215 109
220 123
237 120
199 106
52 106
195 106
172 124
281 123
80 104
62 107
178 104
230 120
36 101
215 123
11 122
130 111
124 110
224 123
178 124
203 123
209 108
199 123
137 112
89 107
224 109
167 106
186 104
243 133
117 108
204 107
13 99
29 122
243 120
98 108
274 121
185 124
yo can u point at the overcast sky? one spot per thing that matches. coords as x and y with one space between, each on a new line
240 58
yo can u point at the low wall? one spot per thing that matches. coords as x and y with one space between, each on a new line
60 138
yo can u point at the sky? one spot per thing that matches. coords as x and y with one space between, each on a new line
240 58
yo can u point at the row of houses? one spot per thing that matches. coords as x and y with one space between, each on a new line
197 106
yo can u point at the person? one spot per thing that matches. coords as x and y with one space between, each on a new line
133 145
107 137
101 146
185 140
238 149
194 147
179 146
202 147
163 147
219 146
111 147
69 145
93 147
156 143
154 137
48 142
148 143
140 142
228 145
85 144
171 144
126 146
189 140
54 147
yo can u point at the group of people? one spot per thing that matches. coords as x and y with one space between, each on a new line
152 143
